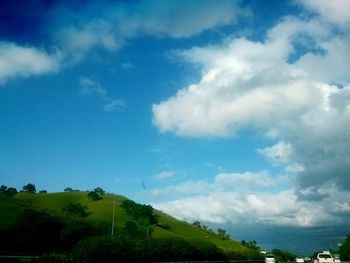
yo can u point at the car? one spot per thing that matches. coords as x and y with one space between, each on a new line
324 257
270 258
307 259
299 260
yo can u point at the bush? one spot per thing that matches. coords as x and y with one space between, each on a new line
76 209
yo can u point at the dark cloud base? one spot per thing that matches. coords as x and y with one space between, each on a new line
302 241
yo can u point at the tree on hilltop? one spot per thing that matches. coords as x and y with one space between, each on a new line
30 188
94 196
99 190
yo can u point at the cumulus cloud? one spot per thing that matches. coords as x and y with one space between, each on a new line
219 204
23 61
336 11
299 101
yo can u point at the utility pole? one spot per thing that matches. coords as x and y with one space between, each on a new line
113 219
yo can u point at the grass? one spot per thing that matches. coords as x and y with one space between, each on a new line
102 211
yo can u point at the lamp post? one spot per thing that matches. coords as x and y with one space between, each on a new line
148 228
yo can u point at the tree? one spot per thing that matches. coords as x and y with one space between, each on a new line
30 188
99 190
11 191
344 249
76 209
94 196
42 192
68 189
283 256
3 188
197 224
251 244
223 235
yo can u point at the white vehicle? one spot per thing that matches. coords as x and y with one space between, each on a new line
307 259
324 257
299 260
270 258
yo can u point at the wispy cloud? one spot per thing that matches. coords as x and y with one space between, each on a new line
89 87
163 175
117 23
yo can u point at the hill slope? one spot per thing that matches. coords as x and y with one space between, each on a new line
101 211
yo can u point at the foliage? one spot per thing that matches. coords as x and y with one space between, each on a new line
250 244
223 235
10 191
283 256
94 196
34 232
179 249
127 249
42 192
76 230
132 228
3 188
141 213
197 224
76 209
99 190
344 249
30 188
104 249
68 189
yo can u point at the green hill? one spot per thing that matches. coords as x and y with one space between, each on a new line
15 209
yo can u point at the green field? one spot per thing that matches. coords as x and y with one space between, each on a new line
101 211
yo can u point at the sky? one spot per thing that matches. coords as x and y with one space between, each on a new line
231 113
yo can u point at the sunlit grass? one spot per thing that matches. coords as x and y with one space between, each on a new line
102 211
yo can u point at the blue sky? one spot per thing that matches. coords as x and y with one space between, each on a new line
232 113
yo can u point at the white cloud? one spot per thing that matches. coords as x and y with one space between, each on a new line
76 41
335 11
89 87
20 61
261 181
216 204
282 154
114 105
164 175
117 23
247 84
156 17
182 188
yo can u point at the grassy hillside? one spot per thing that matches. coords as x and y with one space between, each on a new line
101 211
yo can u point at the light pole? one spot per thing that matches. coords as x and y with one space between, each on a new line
113 219
148 228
